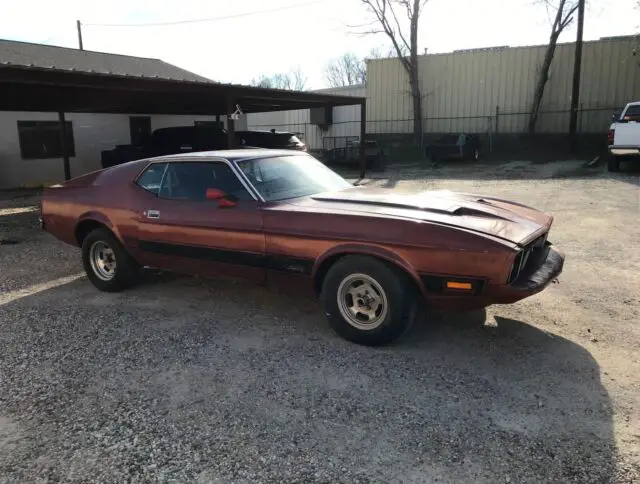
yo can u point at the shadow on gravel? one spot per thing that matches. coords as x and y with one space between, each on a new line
543 400
183 379
493 172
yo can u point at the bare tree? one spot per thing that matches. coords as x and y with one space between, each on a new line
563 16
293 80
636 48
346 70
385 12
386 52
349 69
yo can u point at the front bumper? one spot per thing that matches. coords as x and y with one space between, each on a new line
546 266
542 269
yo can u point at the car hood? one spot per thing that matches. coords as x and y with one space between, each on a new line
491 216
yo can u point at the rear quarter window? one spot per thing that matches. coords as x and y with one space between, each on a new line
151 179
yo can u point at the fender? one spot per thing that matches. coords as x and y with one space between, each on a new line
372 250
96 216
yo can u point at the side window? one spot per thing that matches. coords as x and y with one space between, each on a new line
190 181
151 178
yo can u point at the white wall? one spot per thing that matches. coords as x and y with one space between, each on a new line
346 119
92 134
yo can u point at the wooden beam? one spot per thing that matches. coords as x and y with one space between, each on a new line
231 131
65 147
363 133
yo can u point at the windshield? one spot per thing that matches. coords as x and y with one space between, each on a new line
283 177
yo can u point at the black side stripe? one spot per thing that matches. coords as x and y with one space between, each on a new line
275 262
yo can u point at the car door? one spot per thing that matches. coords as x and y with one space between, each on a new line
179 229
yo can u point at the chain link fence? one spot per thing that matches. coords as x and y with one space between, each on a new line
499 132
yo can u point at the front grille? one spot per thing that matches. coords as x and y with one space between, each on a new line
525 256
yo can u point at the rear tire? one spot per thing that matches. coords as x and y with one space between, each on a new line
367 301
108 265
613 164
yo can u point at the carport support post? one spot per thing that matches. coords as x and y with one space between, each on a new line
65 148
231 137
363 133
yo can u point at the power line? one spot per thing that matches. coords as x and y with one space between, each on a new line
209 19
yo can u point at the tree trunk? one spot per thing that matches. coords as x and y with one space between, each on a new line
417 109
542 82
414 79
560 23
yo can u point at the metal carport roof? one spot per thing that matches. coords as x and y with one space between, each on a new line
25 88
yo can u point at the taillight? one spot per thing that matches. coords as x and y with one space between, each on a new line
610 136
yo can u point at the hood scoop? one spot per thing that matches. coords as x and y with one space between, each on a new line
432 204
472 212
391 202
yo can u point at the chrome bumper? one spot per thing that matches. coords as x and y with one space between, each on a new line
624 150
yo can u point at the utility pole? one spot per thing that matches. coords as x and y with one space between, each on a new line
79 26
575 91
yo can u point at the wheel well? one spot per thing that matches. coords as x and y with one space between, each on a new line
85 227
330 261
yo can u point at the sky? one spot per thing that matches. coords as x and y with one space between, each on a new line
268 37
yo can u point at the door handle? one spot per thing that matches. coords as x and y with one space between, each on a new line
153 213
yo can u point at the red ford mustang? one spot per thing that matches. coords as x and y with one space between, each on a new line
283 218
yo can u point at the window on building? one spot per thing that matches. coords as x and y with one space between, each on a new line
189 181
140 130
41 139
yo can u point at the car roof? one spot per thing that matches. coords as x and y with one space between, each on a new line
231 155
132 168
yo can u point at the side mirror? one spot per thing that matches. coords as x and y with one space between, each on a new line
224 200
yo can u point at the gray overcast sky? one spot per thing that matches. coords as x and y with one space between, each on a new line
239 49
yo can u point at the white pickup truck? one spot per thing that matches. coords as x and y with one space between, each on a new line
624 136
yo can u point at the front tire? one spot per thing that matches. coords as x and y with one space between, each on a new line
613 164
367 301
107 264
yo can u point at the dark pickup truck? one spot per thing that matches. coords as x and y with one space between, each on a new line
187 139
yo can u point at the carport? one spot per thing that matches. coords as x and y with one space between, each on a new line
25 86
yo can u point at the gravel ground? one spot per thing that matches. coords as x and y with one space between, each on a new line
184 380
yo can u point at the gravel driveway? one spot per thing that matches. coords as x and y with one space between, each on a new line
184 380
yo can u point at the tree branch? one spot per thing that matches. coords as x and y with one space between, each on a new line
398 28
568 18
380 11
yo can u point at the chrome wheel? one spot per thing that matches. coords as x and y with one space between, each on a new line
103 260
362 301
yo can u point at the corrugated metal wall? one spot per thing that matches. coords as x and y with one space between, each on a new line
346 119
462 90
